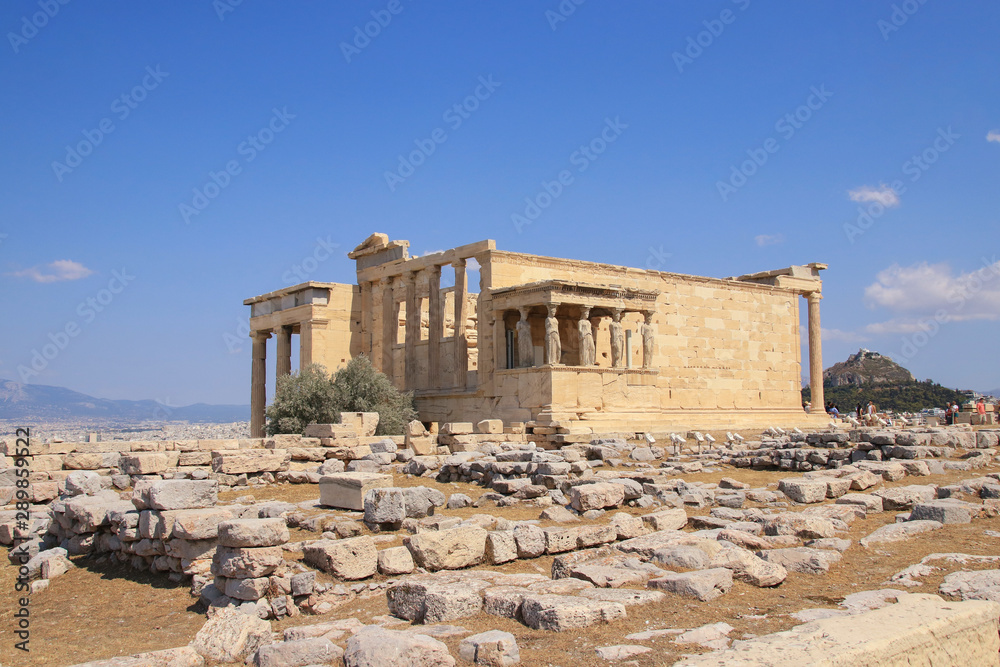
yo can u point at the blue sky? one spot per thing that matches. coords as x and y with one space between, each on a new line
747 136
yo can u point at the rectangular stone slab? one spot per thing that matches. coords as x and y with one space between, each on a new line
346 490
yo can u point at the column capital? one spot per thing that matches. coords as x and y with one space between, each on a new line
434 269
459 263
260 334
814 296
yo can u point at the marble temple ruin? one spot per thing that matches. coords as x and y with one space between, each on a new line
555 342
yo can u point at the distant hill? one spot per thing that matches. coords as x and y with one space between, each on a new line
38 401
870 376
866 368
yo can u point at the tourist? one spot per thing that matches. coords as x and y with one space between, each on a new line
981 410
859 410
871 414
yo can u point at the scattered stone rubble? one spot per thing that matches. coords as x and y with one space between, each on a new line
145 511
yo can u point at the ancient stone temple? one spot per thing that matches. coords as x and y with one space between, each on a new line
555 342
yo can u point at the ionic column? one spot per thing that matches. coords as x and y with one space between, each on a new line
283 364
815 354
367 320
461 344
390 323
412 330
258 382
435 316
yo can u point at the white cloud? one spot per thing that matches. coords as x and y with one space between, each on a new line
994 135
57 271
769 239
933 290
883 194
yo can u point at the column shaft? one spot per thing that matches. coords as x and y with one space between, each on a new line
815 355
412 331
461 344
390 324
258 383
434 322
283 364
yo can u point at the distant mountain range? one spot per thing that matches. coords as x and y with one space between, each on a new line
38 401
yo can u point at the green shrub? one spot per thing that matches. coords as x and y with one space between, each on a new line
313 396
358 387
301 399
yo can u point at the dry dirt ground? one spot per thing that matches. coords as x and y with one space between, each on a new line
103 611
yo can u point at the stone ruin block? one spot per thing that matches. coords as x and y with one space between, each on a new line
346 490
362 423
324 431
250 461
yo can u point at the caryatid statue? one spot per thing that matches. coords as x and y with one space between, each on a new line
648 338
588 351
617 338
525 348
553 347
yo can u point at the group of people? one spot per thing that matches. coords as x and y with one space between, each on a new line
866 414
951 412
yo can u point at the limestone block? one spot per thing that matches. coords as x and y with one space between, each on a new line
91 460
501 547
423 445
599 495
456 428
253 532
190 549
311 651
905 497
980 585
590 536
835 488
800 525
385 505
362 423
896 532
180 494
530 540
803 490
917 630
702 584
384 446
627 526
347 490
395 561
242 461
871 503
944 511
420 501
148 463
685 556
493 648
560 613
374 645
349 559
244 563
46 463
190 459
200 524
432 599
747 567
82 482
802 559
863 480
451 549
324 431
668 519
490 426
232 636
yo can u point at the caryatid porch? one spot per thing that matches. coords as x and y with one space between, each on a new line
560 323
